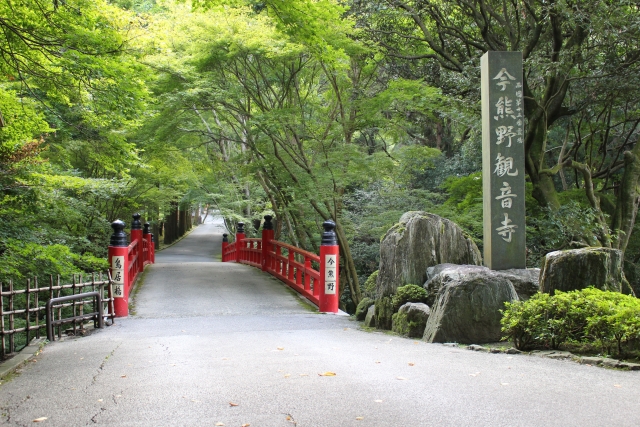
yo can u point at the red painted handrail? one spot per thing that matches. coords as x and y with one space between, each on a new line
127 262
295 268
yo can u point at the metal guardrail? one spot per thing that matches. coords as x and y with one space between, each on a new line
98 316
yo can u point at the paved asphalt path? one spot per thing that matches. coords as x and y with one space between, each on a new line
214 344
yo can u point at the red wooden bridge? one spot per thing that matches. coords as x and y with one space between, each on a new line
313 276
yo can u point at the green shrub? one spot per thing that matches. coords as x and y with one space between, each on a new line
90 263
408 293
370 285
588 316
23 260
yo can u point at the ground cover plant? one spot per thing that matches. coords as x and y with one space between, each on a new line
586 319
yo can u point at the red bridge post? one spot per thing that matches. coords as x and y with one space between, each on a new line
118 260
136 236
152 248
267 236
225 243
148 243
240 236
329 269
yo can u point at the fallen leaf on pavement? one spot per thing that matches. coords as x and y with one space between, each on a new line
401 378
219 424
123 376
39 420
280 348
328 374
411 364
359 418
233 404
504 383
287 375
617 385
378 401
304 375
246 425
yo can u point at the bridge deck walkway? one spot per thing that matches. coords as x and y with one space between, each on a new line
211 343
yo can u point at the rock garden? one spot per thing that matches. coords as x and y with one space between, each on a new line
431 285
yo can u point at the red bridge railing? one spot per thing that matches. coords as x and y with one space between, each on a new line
313 276
127 261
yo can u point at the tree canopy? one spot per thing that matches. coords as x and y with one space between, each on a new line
306 110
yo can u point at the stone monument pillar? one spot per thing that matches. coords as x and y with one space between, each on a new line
503 170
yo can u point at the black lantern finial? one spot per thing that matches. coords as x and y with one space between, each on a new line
329 237
119 237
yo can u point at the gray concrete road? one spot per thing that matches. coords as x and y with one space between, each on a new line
215 344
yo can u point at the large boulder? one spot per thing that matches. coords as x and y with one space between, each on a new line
525 281
467 309
363 308
411 319
440 275
370 318
580 268
421 240
384 313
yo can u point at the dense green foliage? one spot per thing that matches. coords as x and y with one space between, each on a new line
609 319
307 110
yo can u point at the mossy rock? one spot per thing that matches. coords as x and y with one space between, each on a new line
370 318
408 293
369 286
411 320
363 307
421 240
384 313
577 269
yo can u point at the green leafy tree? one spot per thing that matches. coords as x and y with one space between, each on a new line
581 65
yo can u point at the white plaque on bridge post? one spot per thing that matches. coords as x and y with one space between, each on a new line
117 276
503 169
330 275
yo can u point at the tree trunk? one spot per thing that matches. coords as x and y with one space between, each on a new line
624 218
544 190
170 224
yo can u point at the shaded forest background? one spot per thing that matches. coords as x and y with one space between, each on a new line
307 110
